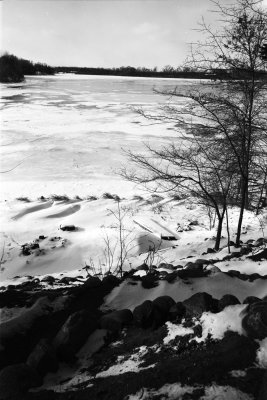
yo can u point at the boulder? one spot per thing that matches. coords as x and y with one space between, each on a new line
227 300
68 228
19 335
262 255
170 278
16 380
92 282
149 281
255 320
164 303
111 281
177 311
48 279
74 333
192 266
199 303
43 358
251 300
142 267
166 266
213 269
116 320
162 307
143 314
263 388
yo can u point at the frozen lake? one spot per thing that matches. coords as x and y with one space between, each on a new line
68 132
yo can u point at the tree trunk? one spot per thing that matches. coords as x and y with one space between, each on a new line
219 233
241 214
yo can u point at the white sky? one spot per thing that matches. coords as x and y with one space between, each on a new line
104 33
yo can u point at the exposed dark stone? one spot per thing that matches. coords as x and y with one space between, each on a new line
210 250
116 320
143 314
68 228
43 358
255 320
92 282
170 278
74 333
202 261
227 300
166 266
263 388
251 300
260 242
19 335
142 267
164 303
49 279
111 280
16 380
262 255
199 303
162 307
149 281
177 311
191 266
67 280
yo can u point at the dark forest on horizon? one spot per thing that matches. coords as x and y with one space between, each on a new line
14 69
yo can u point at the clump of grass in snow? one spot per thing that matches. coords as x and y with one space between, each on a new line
25 199
60 197
138 198
111 196
92 198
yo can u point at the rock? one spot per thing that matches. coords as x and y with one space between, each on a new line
166 266
199 303
48 279
16 380
191 266
251 300
177 311
227 300
263 388
260 242
143 314
262 255
210 250
142 267
149 281
255 320
92 282
213 269
19 335
43 358
202 261
74 333
170 278
67 280
68 228
116 320
162 307
111 281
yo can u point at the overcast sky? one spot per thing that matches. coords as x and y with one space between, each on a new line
104 33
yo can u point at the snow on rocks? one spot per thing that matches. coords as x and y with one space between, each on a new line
123 366
176 391
175 330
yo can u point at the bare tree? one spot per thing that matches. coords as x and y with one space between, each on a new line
221 125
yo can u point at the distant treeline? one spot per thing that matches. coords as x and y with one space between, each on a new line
167 72
13 69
